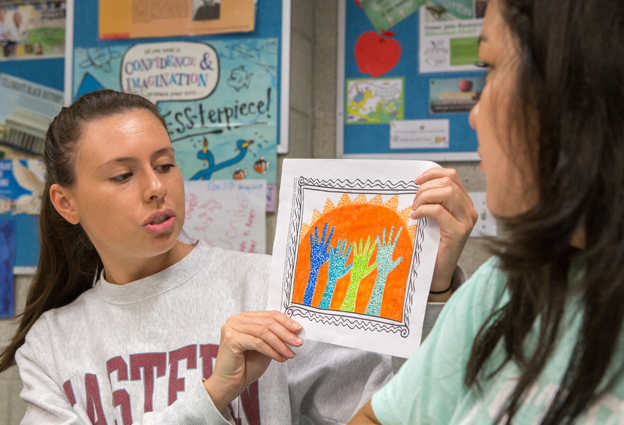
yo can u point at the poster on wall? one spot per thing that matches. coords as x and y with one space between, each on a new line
349 263
32 29
449 33
7 262
120 19
26 111
219 99
374 101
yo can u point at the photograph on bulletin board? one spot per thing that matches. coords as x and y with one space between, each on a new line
431 46
219 99
121 19
32 29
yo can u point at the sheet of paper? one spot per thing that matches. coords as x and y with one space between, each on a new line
449 35
161 18
349 263
7 261
227 213
419 134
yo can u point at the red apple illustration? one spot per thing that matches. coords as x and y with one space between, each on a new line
377 54
464 85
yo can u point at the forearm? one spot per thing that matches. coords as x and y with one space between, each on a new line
365 416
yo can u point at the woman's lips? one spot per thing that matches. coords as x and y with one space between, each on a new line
161 227
154 224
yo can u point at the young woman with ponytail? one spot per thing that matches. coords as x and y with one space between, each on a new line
127 323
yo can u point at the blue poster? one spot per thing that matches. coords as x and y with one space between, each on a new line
7 261
219 98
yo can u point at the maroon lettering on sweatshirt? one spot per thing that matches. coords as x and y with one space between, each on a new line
69 392
121 397
207 353
147 362
177 384
94 401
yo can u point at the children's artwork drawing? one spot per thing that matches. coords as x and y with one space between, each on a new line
348 261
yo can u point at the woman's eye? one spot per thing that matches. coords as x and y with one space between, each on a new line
121 178
165 168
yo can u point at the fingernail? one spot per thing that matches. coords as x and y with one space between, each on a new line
419 178
296 325
298 340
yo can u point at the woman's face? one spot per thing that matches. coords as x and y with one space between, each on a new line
129 193
510 188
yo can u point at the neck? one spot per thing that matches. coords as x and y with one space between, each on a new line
121 271
578 238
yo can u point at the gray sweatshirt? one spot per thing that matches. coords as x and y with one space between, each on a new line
137 353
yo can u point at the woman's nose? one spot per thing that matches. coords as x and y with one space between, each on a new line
155 188
472 118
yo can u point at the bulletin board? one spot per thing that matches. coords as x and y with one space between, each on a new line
381 116
45 71
272 22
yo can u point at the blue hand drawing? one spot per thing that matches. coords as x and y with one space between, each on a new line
207 173
318 257
384 266
337 269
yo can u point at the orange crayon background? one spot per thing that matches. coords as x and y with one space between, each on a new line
355 222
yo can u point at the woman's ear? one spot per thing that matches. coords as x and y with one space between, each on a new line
61 200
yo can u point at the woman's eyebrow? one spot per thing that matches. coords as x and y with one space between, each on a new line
162 151
124 160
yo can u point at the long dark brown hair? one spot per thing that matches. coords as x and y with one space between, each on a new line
571 87
68 261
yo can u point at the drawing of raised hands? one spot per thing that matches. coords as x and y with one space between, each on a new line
319 255
337 269
384 266
360 269
442 196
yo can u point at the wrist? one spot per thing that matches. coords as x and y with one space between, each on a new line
220 393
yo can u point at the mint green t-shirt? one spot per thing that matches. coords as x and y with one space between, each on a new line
430 389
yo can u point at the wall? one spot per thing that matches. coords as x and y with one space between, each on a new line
312 135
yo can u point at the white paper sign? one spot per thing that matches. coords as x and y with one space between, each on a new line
419 134
227 213
349 264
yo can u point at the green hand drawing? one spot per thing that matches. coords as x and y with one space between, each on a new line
384 266
359 270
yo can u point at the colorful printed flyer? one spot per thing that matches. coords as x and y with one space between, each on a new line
32 29
349 264
21 186
384 14
219 99
447 95
448 33
374 101
165 18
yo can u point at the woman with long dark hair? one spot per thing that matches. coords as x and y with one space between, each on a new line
535 336
123 322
